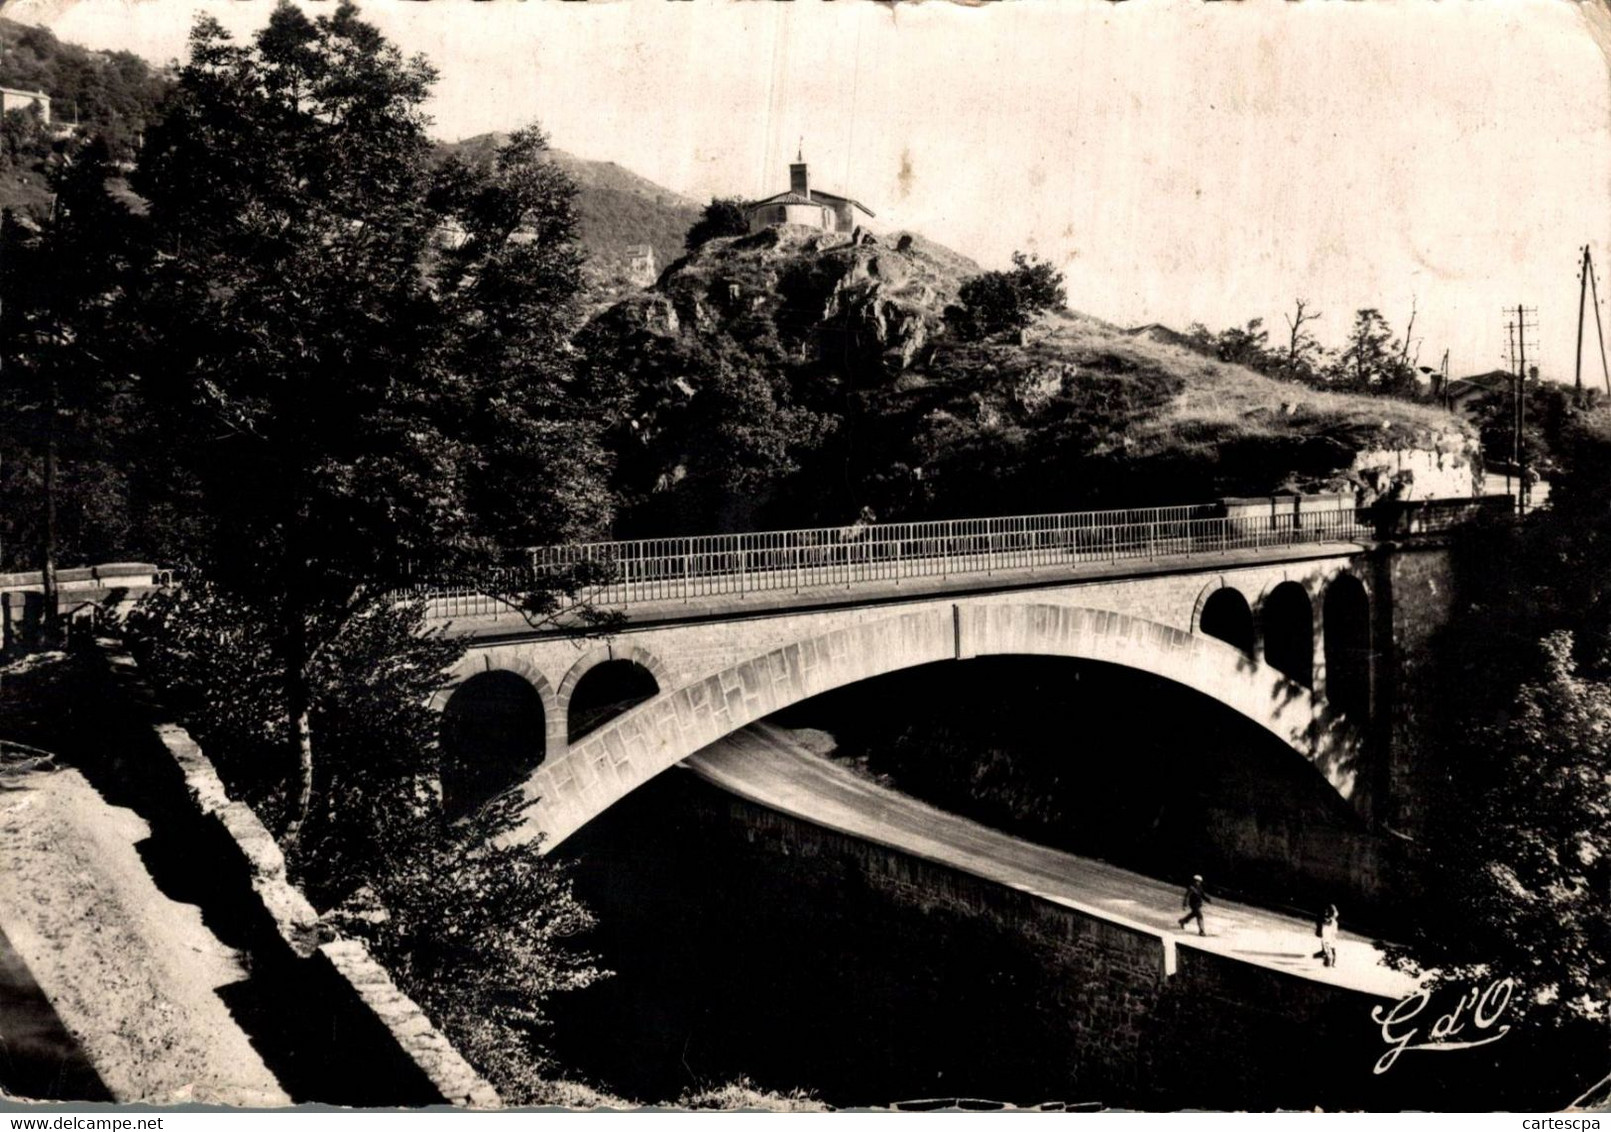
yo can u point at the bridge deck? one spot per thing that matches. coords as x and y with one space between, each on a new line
764 765
478 615
678 577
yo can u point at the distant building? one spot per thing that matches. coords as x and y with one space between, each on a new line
641 265
13 99
1464 393
804 205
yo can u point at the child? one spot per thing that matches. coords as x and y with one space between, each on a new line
1326 929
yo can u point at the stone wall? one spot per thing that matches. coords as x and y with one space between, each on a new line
805 957
1420 586
1139 1016
355 986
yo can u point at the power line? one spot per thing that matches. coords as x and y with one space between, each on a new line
1521 319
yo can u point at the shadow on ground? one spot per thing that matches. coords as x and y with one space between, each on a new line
299 1018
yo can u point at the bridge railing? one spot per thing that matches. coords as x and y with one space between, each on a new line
683 568
1429 516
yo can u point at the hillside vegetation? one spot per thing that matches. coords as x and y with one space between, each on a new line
616 208
790 377
112 94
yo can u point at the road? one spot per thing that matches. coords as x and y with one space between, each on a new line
765 764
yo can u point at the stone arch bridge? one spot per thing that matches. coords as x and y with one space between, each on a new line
1290 611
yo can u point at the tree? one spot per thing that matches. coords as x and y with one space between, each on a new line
1372 361
1244 345
723 216
995 301
24 139
479 933
1236 345
705 431
1517 839
1548 419
66 401
110 94
1303 348
361 362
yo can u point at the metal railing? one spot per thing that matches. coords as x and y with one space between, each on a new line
685 568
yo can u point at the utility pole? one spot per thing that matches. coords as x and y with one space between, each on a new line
1526 318
47 567
1510 465
1582 293
1599 330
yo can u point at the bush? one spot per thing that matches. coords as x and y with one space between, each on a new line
370 717
1005 300
723 216
480 934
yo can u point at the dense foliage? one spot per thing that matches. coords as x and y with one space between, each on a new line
343 363
616 209
112 94
1547 408
1518 778
70 417
358 356
723 216
482 935
107 97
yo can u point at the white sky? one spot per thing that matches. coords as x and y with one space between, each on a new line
1180 160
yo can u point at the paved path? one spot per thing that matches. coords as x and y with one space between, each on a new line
764 764
133 975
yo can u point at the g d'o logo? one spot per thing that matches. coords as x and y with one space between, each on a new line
1480 1007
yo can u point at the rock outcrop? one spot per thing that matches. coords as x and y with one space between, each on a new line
883 301
1065 413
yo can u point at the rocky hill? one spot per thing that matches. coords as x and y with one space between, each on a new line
881 302
832 384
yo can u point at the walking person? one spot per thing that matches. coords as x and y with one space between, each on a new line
1194 899
1326 929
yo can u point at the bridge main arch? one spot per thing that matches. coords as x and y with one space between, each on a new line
566 793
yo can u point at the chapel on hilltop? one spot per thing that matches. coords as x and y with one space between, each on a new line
804 205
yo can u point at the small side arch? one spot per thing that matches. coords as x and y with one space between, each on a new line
1346 636
1222 611
494 728
553 718
650 674
1287 631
